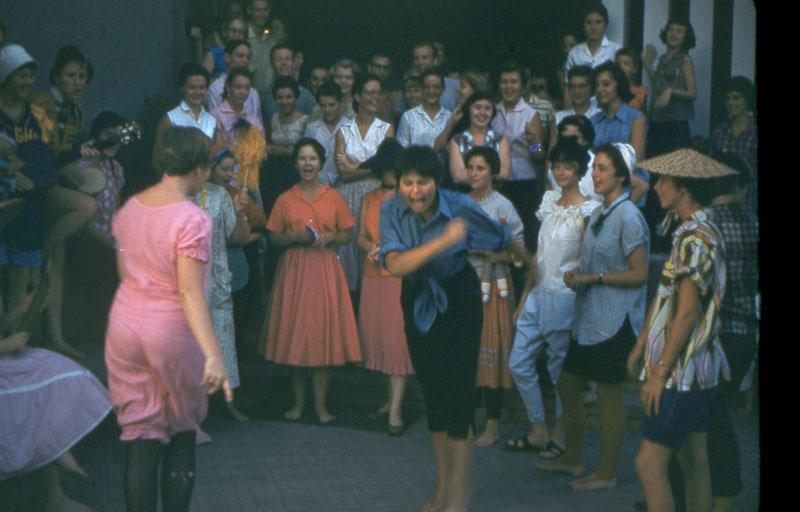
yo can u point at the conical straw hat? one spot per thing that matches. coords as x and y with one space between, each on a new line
687 163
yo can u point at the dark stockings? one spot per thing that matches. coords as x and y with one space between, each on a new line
177 474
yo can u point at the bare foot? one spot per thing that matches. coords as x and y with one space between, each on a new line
325 417
439 500
565 469
384 410
63 503
234 413
66 349
488 438
458 501
294 413
592 483
67 462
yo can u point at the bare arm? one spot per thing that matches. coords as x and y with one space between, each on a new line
364 241
636 275
534 134
639 188
348 170
691 85
208 62
639 137
441 141
241 231
291 239
407 262
457 171
190 285
680 327
505 160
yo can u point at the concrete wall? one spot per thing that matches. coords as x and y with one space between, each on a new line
617 21
743 59
134 46
701 15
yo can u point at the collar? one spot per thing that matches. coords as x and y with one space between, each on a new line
299 192
698 217
56 94
604 42
186 109
624 196
421 110
519 107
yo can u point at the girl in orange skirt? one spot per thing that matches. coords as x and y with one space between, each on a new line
380 315
310 322
482 165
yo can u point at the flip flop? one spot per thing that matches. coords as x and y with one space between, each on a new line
521 444
551 451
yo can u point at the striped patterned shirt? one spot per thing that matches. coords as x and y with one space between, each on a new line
697 254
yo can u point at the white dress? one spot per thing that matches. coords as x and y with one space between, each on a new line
358 149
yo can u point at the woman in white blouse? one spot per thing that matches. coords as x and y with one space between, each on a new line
356 141
544 317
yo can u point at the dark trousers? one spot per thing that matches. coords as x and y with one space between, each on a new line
445 358
724 455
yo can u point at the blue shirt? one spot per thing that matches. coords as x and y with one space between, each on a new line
600 310
402 230
618 129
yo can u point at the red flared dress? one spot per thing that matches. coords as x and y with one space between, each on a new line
310 321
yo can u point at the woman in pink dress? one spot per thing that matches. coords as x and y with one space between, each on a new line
380 314
161 352
310 322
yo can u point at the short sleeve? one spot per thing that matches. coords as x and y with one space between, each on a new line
404 130
634 230
194 237
279 215
392 239
588 207
484 233
515 227
696 260
344 217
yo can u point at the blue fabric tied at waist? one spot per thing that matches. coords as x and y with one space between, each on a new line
430 299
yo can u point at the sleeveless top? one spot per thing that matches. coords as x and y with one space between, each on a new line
669 74
466 141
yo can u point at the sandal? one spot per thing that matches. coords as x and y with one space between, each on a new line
551 451
521 444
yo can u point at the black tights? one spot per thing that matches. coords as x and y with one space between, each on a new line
492 399
177 460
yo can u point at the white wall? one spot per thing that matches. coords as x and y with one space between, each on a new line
743 58
701 14
656 13
617 21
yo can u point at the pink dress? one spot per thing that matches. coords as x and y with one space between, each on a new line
155 366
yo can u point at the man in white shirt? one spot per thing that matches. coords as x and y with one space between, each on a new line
282 58
324 130
596 50
424 58
579 79
421 125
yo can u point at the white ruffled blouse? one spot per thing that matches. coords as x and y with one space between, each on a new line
560 236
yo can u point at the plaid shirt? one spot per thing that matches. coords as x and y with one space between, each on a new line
745 146
739 228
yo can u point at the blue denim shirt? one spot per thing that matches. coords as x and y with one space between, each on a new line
618 129
402 230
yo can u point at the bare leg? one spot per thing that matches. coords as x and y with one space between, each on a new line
491 432
652 465
234 413
693 458
612 408
569 389
68 463
55 498
55 302
299 389
320 378
459 491
71 210
19 279
397 389
442 450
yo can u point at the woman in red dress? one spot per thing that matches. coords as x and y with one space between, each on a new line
310 322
